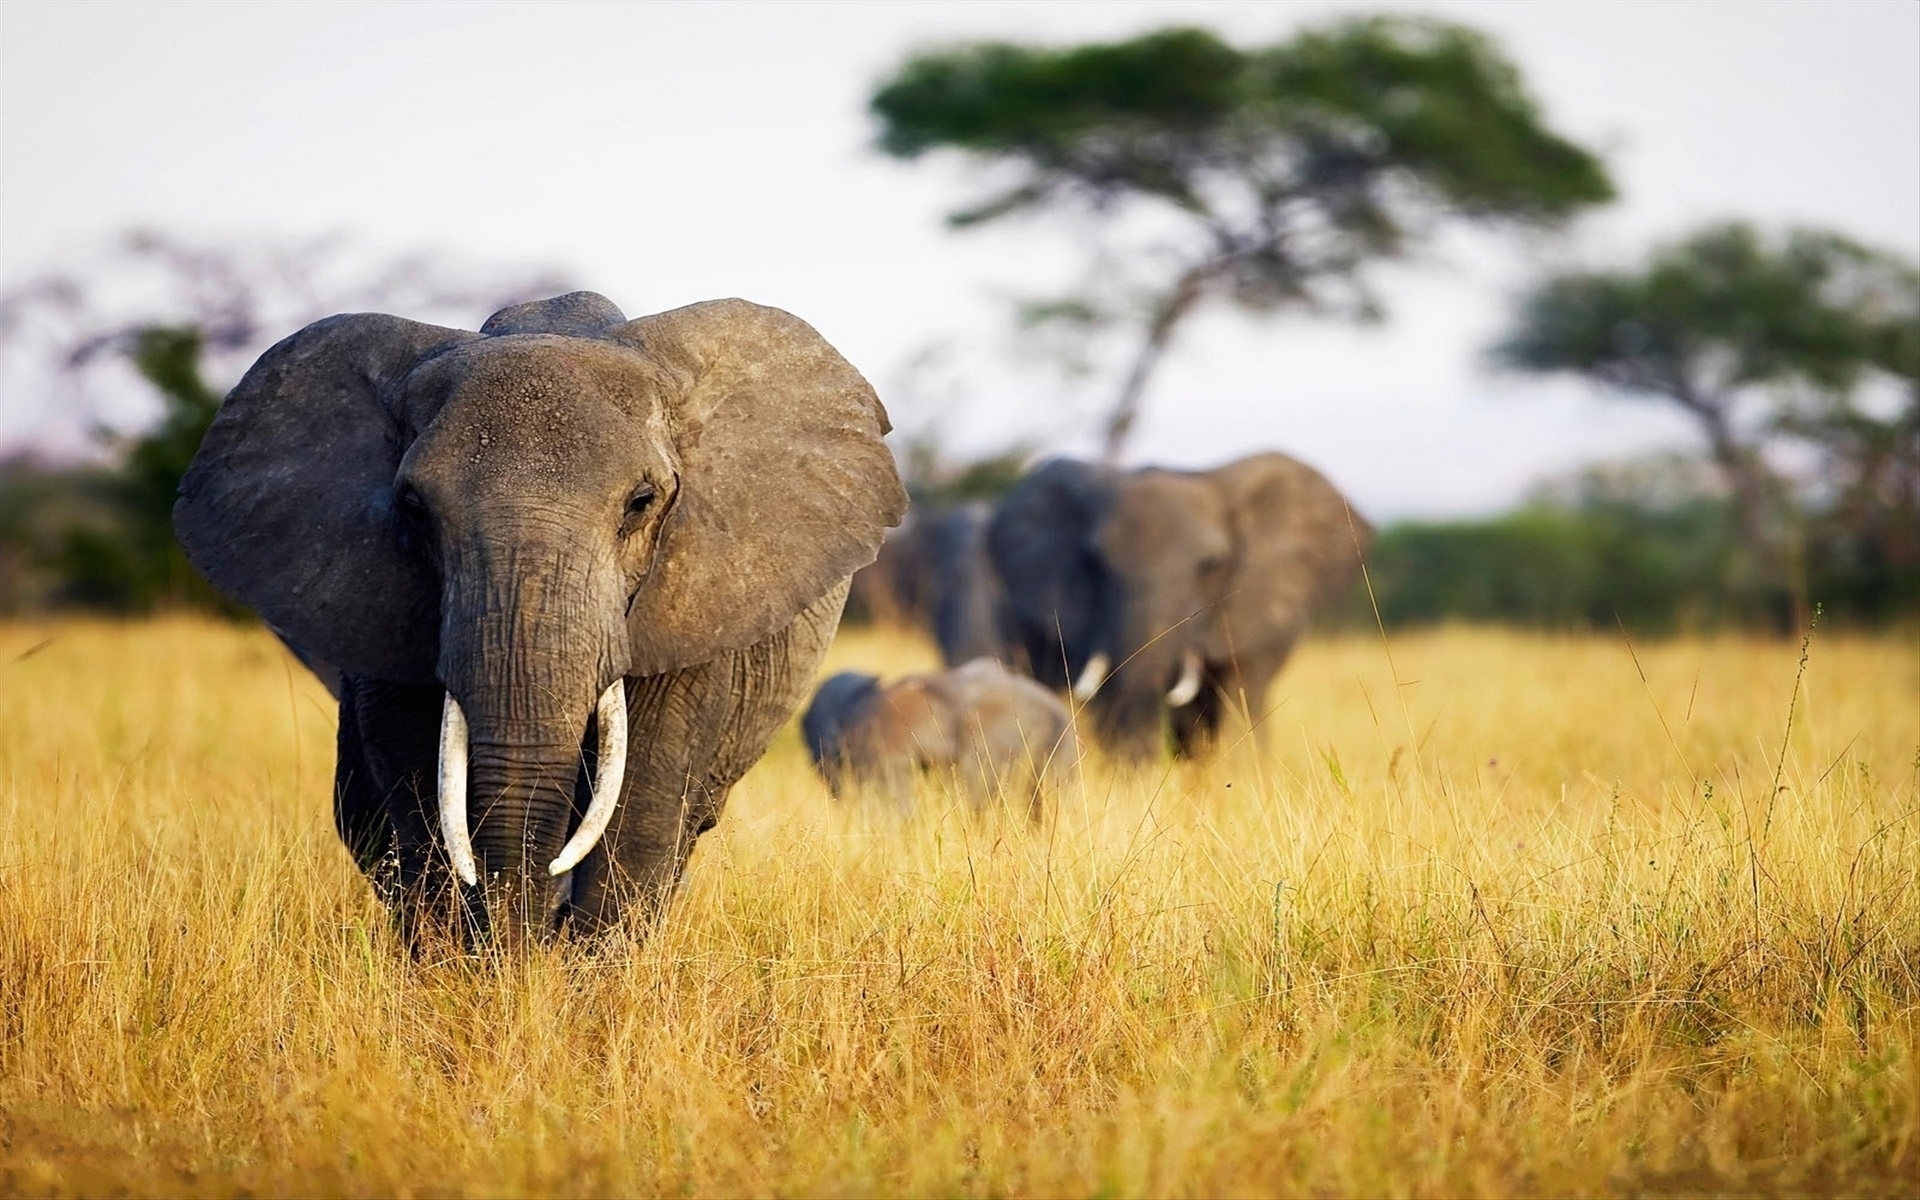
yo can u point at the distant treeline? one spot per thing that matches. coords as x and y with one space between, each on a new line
1655 546
1656 560
100 538
1650 568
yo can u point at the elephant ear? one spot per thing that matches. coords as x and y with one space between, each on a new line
786 487
287 506
1300 546
1040 542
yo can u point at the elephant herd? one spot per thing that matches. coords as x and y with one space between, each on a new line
1162 601
568 575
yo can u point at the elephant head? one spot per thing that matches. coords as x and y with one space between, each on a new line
529 515
1154 591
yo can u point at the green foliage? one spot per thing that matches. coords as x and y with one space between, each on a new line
1327 116
54 525
1285 169
936 481
1764 341
1720 310
169 359
1653 545
102 538
1655 571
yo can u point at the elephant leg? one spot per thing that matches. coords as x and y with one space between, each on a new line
397 729
359 815
645 855
691 735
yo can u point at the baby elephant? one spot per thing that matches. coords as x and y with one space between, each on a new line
997 733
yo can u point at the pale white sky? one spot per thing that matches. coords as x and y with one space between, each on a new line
666 153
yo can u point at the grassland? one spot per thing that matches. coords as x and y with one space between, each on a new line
1482 913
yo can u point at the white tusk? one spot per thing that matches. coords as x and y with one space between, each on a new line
453 791
1091 676
1188 685
612 714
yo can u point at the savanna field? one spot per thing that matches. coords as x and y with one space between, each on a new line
1483 913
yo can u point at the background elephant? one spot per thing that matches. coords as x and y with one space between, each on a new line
898 587
933 574
1157 592
970 617
571 573
998 733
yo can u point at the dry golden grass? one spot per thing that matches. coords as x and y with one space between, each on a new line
1501 916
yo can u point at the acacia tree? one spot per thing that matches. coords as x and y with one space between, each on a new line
1758 339
1270 177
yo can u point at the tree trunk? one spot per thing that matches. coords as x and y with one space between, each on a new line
1779 570
1186 292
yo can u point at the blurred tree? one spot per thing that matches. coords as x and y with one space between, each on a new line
1756 338
934 479
45 510
1863 544
1269 177
169 309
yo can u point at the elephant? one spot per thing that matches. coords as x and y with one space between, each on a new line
933 574
970 617
898 587
569 575
1169 597
998 733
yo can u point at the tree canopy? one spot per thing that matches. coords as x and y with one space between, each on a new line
1759 338
1286 168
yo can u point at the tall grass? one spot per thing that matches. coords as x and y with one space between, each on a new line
1491 914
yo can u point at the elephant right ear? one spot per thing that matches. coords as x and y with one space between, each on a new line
288 504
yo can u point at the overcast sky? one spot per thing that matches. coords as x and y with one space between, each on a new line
666 153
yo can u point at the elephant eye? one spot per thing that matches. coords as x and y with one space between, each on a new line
411 504
638 502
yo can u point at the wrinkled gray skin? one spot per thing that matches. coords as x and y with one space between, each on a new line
1153 567
996 733
933 574
521 517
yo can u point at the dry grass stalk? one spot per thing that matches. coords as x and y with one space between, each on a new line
1496 934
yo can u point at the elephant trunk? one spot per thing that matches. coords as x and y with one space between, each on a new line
610 716
522 797
524 677
1153 670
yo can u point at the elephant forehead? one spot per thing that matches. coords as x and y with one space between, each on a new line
1166 515
538 407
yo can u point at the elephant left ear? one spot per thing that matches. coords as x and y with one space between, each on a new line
786 485
1300 545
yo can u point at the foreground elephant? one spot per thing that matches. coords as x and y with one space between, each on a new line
1169 595
999 734
573 571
